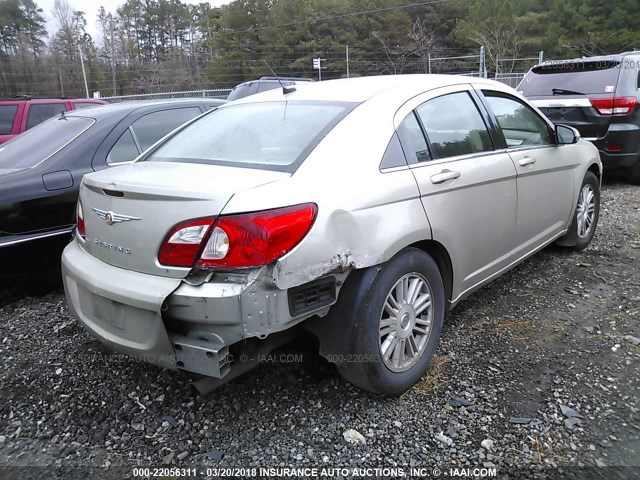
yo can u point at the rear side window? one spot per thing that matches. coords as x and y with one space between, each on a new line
39 112
7 114
270 135
152 127
38 144
124 150
561 78
454 126
393 155
413 139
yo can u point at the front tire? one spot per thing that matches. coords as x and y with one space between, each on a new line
585 217
397 325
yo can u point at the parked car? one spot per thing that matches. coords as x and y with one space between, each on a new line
22 112
262 85
41 170
361 209
599 96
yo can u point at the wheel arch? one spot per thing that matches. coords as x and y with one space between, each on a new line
441 256
596 170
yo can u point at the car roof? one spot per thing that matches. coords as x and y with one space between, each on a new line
126 107
616 57
361 89
29 98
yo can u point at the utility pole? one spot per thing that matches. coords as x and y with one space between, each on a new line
482 67
60 81
84 74
113 61
347 61
429 61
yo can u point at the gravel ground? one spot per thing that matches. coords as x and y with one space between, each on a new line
533 375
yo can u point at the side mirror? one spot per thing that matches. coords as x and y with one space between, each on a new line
566 135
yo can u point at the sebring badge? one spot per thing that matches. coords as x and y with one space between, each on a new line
110 217
113 247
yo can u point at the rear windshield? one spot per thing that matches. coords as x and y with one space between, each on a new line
40 142
268 135
241 91
582 77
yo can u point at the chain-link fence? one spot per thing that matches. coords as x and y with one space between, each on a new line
470 63
213 93
511 79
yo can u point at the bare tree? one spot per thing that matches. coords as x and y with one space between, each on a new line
589 46
426 42
501 43
397 57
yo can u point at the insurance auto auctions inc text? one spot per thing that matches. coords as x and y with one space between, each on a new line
386 472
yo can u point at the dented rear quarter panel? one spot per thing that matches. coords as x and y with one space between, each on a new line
364 216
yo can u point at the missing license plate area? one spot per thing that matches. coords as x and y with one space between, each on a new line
108 311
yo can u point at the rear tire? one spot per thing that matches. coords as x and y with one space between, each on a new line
396 327
633 173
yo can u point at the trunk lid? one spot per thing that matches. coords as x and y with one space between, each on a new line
129 210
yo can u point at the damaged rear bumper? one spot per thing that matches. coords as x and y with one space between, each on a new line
177 325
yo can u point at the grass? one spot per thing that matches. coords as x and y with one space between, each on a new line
435 376
501 326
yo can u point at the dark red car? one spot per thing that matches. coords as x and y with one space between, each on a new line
22 112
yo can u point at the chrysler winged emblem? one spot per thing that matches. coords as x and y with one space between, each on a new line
111 217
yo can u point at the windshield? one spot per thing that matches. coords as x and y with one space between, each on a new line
269 135
40 142
566 77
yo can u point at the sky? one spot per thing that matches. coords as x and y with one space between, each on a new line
91 7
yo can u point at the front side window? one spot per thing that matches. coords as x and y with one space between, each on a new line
270 135
153 126
7 114
520 125
454 126
39 112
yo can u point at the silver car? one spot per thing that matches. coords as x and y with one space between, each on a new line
361 210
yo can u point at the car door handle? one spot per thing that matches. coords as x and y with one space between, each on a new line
444 176
526 161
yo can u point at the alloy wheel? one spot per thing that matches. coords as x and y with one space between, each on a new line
586 211
405 322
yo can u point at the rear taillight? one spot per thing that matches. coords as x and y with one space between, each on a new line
614 105
80 220
238 241
183 243
255 239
